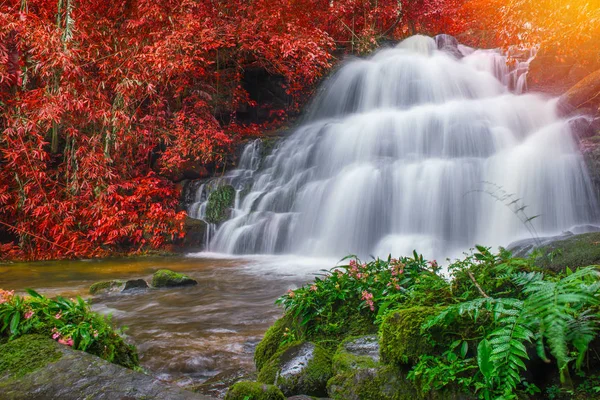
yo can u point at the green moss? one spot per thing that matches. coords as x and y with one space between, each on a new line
105 286
254 391
400 335
311 380
384 383
168 278
272 340
576 251
27 354
219 201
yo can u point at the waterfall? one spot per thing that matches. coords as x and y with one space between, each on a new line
416 147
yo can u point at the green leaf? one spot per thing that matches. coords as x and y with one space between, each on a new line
464 349
484 353
14 323
33 293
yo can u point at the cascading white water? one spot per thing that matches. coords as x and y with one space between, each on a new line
395 156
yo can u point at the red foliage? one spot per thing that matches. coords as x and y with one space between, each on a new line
98 97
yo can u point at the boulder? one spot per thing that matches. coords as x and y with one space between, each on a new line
195 234
270 343
401 339
135 284
298 368
167 278
105 287
117 286
384 383
583 96
36 367
356 353
254 391
449 44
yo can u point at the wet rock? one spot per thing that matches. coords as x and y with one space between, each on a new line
168 278
356 353
117 286
105 287
134 284
449 44
384 383
71 374
299 368
254 391
195 234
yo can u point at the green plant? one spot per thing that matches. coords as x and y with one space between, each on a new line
552 312
69 321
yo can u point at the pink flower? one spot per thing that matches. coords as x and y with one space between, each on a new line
352 263
29 314
55 333
59 315
6 295
313 288
68 342
291 293
95 334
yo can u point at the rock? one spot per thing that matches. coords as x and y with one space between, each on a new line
117 286
36 367
448 44
401 339
572 252
195 234
189 170
298 368
271 342
584 95
219 202
133 284
105 287
548 75
254 391
168 278
356 353
582 127
384 383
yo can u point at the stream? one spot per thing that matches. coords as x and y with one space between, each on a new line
200 336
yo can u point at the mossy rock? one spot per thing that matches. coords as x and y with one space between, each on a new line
115 285
401 340
356 353
271 342
299 368
168 278
576 251
27 354
384 383
254 391
219 201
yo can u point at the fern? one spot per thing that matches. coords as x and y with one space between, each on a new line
557 306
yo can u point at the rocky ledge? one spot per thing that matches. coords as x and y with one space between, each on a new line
35 367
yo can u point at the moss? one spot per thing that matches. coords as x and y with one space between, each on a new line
400 335
168 278
310 380
219 201
105 286
576 251
254 391
344 361
27 354
271 342
384 383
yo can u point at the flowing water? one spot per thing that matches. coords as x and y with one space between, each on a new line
412 148
184 335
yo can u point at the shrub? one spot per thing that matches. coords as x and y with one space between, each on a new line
69 321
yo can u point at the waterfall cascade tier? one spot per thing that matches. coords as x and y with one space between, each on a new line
412 148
